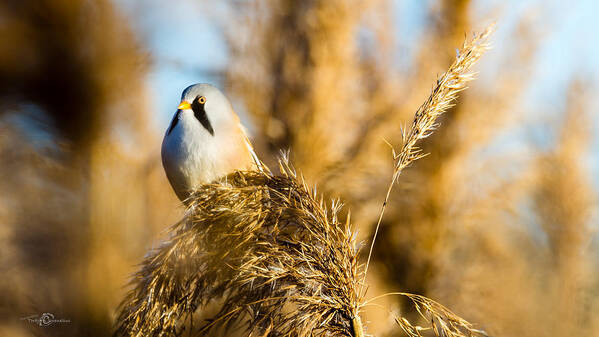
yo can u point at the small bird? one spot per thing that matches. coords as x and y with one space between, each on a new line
205 141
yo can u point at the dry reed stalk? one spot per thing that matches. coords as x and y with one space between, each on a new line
442 321
440 100
565 204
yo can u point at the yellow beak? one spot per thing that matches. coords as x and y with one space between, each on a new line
184 105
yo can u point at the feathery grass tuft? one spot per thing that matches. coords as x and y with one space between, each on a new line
443 322
277 257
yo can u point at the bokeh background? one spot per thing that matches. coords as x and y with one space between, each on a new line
498 223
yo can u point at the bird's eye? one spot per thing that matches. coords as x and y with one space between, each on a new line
199 111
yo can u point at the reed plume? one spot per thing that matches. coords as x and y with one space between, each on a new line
443 321
281 262
442 97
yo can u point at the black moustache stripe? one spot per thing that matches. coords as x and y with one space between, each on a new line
200 114
173 123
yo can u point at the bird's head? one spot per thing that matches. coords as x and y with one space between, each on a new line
207 106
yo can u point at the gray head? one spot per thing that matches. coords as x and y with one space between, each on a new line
208 106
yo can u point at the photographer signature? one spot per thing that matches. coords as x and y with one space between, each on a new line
45 319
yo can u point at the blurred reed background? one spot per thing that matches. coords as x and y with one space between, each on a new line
498 223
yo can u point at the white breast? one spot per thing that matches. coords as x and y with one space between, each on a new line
191 156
